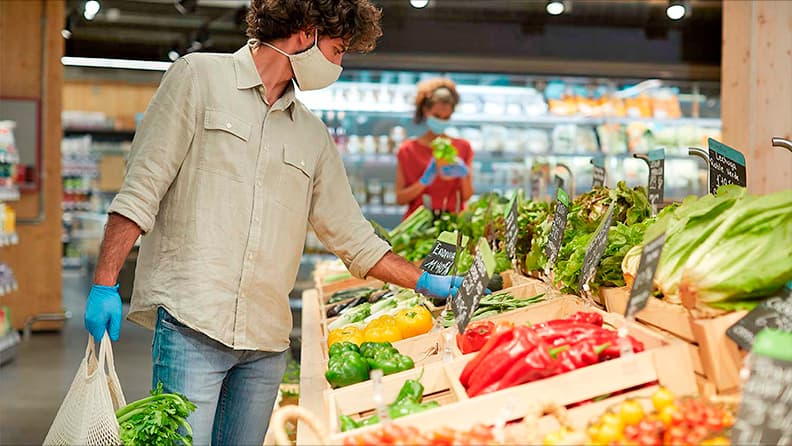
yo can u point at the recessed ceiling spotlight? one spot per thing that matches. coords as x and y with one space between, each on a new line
91 8
186 6
555 7
676 9
173 54
66 32
419 4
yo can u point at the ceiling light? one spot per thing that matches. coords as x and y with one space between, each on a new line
555 7
91 8
128 64
66 32
173 55
419 4
676 9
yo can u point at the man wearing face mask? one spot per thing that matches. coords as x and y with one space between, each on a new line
226 172
418 173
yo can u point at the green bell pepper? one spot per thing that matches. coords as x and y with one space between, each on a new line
390 363
372 349
346 368
340 347
347 423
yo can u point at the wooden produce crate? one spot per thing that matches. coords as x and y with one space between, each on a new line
716 358
664 362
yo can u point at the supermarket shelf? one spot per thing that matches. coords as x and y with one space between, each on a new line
9 239
9 193
8 346
483 156
541 120
9 158
71 262
101 134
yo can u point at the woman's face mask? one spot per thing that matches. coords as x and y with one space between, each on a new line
436 125
312 70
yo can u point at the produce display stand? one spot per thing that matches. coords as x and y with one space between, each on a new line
664 362
716 358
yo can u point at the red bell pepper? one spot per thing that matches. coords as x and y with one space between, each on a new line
474 337
503 334
589 318
502 359
614 349
558 332
582 354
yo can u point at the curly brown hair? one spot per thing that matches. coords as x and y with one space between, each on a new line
355 21
432 91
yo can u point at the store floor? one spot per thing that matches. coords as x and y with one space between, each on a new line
34 384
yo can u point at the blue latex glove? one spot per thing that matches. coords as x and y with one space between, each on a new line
103 312
456 170
429 174
438 286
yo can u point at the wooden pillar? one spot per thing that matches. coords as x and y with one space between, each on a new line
25 62
756 88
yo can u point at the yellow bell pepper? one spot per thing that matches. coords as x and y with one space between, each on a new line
346 334
382 329
414 321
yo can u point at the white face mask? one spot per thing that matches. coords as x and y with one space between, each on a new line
311 68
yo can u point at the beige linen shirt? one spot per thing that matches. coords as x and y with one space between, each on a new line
224 187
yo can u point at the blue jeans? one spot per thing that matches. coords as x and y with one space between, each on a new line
234 390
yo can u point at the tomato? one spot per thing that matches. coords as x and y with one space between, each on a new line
593 432
554 438
631 431
662 398
667 414
612 419
609 433
648 440
631 412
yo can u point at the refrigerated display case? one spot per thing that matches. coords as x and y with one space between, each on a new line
514 122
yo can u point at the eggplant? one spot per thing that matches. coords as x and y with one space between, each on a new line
336 309
379 295
338 296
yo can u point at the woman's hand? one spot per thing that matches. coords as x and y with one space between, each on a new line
429 174
456 170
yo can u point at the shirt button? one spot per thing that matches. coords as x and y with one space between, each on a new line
228 125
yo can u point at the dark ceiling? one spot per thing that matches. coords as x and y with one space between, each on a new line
621 31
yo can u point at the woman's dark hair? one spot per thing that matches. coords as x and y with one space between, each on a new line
355 21
433 91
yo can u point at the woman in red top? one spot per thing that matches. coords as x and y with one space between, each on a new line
417 173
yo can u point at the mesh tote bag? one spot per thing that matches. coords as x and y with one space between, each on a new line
87 414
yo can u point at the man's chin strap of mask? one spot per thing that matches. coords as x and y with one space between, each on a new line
312 70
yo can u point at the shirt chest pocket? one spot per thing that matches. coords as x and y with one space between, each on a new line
225 145
295 180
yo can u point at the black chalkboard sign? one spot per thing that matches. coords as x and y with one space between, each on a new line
726 166
644 280
656 177
443 254
556 236
536 184
473 287
511 229
765 414
559 182
598 179
773 312
595 249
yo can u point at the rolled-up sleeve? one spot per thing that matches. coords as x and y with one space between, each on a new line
336 218
160 146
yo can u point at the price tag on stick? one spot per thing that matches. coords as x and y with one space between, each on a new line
511 229
473 287
643 285
556 236
598 179
594 251
773 312
655 160
726 166
558 182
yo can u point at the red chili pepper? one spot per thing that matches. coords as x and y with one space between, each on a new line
474 337
537 364
501 359
582 354
614 349
503 334
558 332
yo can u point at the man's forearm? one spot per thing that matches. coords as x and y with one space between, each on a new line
119 237
395 269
